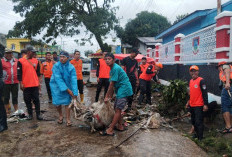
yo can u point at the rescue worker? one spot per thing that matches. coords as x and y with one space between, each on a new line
77 63
3 116
63 86
120 81
23 53
145 81
46 71
130 65
28 75
225 75
55 57
198 101
142 66
103 74
9 65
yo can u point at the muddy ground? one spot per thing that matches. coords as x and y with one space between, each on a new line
47 138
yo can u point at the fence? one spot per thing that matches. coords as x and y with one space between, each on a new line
209 45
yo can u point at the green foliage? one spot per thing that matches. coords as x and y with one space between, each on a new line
180 17
146 24
88 52
65 17
158 86
175 97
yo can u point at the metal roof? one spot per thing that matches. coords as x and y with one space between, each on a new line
149 40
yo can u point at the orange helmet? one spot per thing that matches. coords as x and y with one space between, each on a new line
194 67
160 65
221 63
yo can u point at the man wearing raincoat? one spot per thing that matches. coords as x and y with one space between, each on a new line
63 85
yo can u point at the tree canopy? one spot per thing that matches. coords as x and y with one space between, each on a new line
146 24
88 52
64 17
180 17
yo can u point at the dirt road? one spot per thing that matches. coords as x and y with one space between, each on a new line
47 138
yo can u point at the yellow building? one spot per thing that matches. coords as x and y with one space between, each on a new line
17 44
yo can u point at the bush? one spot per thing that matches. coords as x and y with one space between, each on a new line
175 97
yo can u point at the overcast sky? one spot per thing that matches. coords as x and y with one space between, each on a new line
127 10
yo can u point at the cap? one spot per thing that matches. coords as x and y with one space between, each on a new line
221 63
160 65
8 50
194 67
134 50
64 53
30 48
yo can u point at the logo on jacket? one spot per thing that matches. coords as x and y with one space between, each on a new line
196 86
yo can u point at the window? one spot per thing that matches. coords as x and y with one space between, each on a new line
12 46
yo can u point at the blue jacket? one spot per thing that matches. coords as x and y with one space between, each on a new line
63 77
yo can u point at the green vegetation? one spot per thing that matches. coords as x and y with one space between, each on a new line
146 24
174 97
215 143
65 17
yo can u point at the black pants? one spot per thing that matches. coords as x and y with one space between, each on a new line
13 90
197 120
102 82
47 81
133 84
145 88
3 122
80 86
32 94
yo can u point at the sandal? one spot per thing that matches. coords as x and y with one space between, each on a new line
60 121
104 133
69 124
124 129
225 130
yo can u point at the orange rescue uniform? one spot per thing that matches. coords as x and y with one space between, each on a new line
222 75
143 67
46 69
146 76
78 68
104 70
29 75
196 98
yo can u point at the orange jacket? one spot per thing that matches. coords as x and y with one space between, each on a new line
78 67
222 75
196 98
46 69
104 71
29 75
145 75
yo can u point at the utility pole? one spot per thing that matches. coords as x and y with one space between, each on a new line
219 7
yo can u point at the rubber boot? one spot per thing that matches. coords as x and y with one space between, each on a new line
82 98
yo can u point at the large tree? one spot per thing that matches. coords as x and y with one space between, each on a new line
146 24
65 17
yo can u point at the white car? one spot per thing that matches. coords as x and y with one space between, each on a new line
86 66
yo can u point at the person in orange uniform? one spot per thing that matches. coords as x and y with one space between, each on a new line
225 75
198 101
46 70
142 67
103 75
145 81
28 72
77 63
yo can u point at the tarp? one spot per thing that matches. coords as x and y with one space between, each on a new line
138 57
